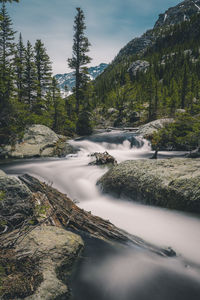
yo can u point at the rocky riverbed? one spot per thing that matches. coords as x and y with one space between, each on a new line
40 239
170 183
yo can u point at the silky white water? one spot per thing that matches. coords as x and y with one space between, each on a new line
158 226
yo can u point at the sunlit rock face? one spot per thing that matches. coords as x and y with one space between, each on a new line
179 13
139 65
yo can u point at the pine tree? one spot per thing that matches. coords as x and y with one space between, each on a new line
19 67
3 1
79 56
55 102
44 73
6 74
6 58
184 88
29 76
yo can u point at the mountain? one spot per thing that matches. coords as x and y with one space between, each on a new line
158 73
68 79
181 12
174 15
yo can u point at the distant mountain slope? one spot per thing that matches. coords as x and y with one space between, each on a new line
174 15
157 74
179 13
68 79
114 73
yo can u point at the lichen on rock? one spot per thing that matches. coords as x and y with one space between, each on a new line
171 183
38 141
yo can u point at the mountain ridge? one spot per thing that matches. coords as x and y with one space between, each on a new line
173 15
68 79
156 75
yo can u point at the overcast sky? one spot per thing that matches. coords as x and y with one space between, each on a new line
110 25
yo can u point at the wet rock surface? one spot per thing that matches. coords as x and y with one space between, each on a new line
103 159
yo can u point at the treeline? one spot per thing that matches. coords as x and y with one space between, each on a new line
171 82
29 93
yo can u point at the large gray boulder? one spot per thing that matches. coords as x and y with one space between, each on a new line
57 249
152 127
44 254
16 201
38 141
40 265
170 183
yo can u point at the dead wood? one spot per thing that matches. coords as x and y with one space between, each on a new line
63 212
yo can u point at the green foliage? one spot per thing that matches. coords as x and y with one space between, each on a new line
19 65
43 76
28 92
6 59
84 124
79 55
1 1
171 82
182 134
2 195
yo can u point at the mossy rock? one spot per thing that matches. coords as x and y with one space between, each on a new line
170 183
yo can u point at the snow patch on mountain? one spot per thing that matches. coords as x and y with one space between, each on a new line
66 81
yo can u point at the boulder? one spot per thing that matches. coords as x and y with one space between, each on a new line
112 110
170 183
57 250
103 159
194 154
16 201
180 111
40 134
152 127
2 173
39 266
38 141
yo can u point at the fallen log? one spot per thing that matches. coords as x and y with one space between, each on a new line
65 213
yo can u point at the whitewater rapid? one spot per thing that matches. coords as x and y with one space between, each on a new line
74 177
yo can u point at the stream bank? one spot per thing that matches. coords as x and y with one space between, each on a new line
104 271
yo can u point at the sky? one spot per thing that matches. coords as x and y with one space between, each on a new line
111 24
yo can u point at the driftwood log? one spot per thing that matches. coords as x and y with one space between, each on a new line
64 212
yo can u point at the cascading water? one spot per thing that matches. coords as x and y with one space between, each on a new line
129 274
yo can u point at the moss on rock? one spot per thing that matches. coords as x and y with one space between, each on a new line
170 183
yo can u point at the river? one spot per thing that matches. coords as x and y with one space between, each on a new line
131 274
